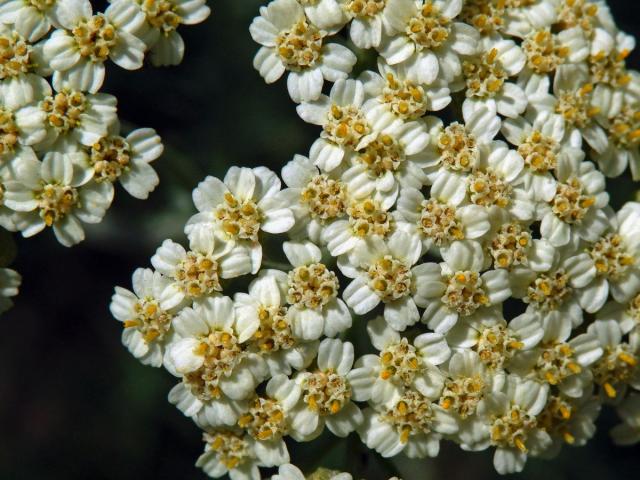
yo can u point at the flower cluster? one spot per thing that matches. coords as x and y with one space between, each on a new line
500 291
61 147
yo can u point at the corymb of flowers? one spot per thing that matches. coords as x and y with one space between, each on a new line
453 211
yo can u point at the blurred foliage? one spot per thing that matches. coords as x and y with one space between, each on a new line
73 403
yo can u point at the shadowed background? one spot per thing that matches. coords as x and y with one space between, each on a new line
74 404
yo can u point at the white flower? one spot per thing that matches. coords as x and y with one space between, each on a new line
290 41
126 160
198 273
316 198
266 328
623 131
569 421
31 19
542 144
386 271
486 76
76 117
428 32
9 283
366 218
396 88
146 324
390 159
627 314
20 68
246 202
325 13
56 193
558 360
217 373
326 394
22 123
510 423
229 452
455 150
521 18
495 340
162 19
441 220
546 51
576 210
456 289
616 256
619 366
401 364
628 432
413 424
268 420
77 51
291 472
555 293
312 293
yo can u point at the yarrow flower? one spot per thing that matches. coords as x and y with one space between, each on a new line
453 204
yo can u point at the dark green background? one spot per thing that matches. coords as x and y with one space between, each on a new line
73 403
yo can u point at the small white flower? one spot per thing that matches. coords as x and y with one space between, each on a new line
56 193
76 117
522 17
486 76
312 293
229 452
290 41
291 472
31 18
494 340
369 19
146 324
396 88
555 293
325 13
628 432
627 314
9 283
246 202
558 360
401 364
576 210
266 328
619 367
413 424
217 374
198 272
162 19
456 289
510 422
326 394
77 51
126 160
386 271
427 34
441 220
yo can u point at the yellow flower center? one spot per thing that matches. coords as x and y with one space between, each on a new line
539 152
411 415
161 14
326 392
95 37
365 8
232 449
312 286
439 222
55 202
265 420
496 345
610 256
487 188
543 52
198 275
390 278
487 16
615 368
345 126
624 129
241 220
64 110
465 294
110 158
462 395
325 198
41 5
300 47
575 106
9 133
274 332
382 155
484 75
400 362
512 429
570 203
555 417
578 13
150 320
15 56
510 247
556 362
367 218
549 291
405 98
428 29
458 149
